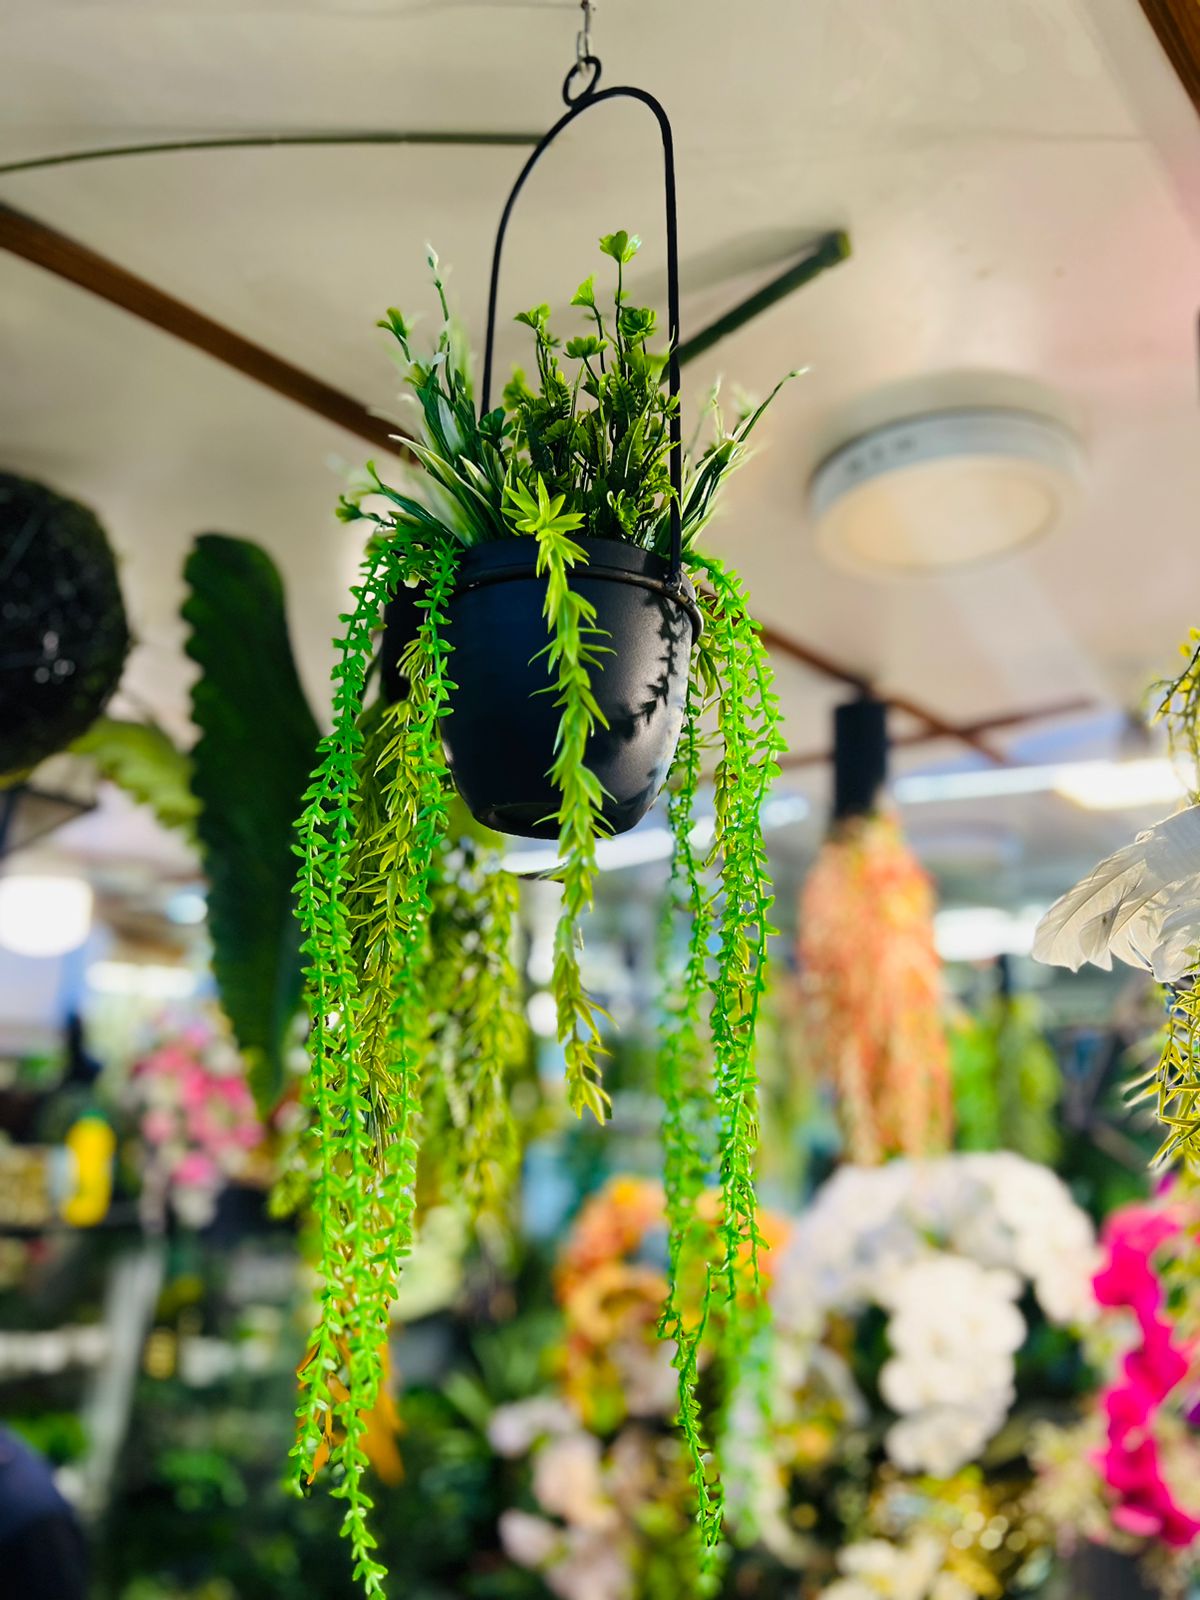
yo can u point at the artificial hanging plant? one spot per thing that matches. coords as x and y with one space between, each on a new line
871 978
563 504
1142 905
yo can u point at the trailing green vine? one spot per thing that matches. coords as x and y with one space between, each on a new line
687 1122
732 674
409 920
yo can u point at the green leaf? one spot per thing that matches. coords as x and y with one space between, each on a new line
535 319
250 771
141 759
585 295
620 246
579 349
636 322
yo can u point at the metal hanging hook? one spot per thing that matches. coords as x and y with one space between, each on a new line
585 102
583 39
586 66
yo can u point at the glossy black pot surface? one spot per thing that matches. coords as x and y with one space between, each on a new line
500 732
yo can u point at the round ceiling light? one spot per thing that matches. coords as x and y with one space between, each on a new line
44 916
943 490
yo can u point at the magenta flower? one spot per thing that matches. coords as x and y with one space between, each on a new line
1158 1364
1149 1374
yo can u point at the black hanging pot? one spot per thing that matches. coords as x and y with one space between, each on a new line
501 729
502 724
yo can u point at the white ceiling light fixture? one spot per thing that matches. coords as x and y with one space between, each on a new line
944 490
42 915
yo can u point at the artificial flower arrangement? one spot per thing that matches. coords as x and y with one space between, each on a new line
871 990
911 1312
607 1475
543 655
197 1121
1126 1476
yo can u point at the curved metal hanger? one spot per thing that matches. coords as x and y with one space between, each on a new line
590 94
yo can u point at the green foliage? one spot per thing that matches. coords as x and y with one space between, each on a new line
710 1132
1177 704
595 431
1006 1081
143 760
365 894
413 1007
1173 1086
687 1117
571 656
249 768
479 1034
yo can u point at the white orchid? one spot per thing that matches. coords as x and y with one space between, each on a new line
1141 905
946 1248
942 1439
876 1568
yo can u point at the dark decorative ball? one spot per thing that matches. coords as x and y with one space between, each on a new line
63 636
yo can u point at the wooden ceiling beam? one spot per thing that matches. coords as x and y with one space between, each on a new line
936 726
24 236
1008 719
1177 24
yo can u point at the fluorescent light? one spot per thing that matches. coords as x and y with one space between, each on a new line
980 783
44 916
626 850
147 979
980 933
1097 785
1114 785
650 843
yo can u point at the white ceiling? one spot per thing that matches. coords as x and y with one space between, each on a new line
1021 183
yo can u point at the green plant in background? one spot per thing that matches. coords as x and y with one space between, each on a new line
585 453
249 765
235 794
143 760
1174 1083
1007 1082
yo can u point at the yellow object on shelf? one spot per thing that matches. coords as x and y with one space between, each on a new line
92 1146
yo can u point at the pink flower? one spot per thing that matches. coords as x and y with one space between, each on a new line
1132 1519
1158 1365
197 1169
158 1125
1150 1372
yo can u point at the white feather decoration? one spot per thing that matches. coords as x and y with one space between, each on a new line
1141 905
